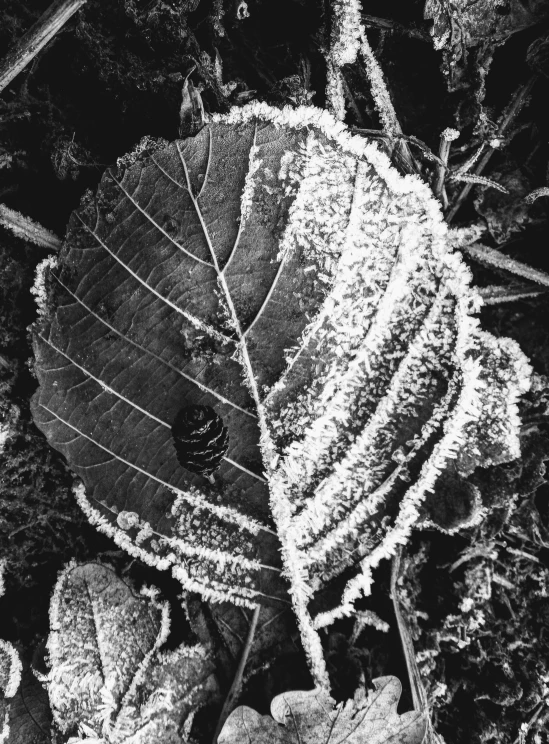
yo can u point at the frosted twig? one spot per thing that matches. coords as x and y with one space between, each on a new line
386 24
507 119
491 257
496 294
382 99
28 229
236 686
36 38
536 194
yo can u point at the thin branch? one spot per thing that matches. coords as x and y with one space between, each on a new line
496 259
236 686
414 32
36 38
507 119
498 294
446 138
28 229
383 102
419 696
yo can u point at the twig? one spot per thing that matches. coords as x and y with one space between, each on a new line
418 691
446 138
496 295
496 259
419 696
507 119
27 229
236 686
382 100
384 23
36 38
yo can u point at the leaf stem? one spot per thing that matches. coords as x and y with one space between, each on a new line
446 138
236 686
36 38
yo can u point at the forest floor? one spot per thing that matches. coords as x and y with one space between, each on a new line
477 601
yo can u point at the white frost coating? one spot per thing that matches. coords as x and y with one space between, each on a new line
335 90
119 536
39 289
27 229
345 41
195 498
246 200
449 134
397 317
380 92
172 559
10 668
346 31
127 519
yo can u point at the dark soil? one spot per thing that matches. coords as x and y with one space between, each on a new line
477 601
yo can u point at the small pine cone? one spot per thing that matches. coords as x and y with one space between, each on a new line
200 438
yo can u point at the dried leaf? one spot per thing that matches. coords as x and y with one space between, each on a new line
107 675
279 270
312 717
469 32
191 112
30 716
508 213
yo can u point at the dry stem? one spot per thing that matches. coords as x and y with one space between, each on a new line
36 38
507 119
28 229
236 686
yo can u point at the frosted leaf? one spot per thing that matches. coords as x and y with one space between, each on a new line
312 717
280 270
10 678
107 674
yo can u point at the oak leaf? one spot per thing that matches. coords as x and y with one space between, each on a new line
312 717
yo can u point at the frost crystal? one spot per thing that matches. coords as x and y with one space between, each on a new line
39 289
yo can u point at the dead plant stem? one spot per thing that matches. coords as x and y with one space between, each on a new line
236 686
507 119
36 38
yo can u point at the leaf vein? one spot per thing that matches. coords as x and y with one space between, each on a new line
231 515
155 224
195 321
200 385
109 389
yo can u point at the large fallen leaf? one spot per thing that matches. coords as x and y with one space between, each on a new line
312 717
280 271
108 680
